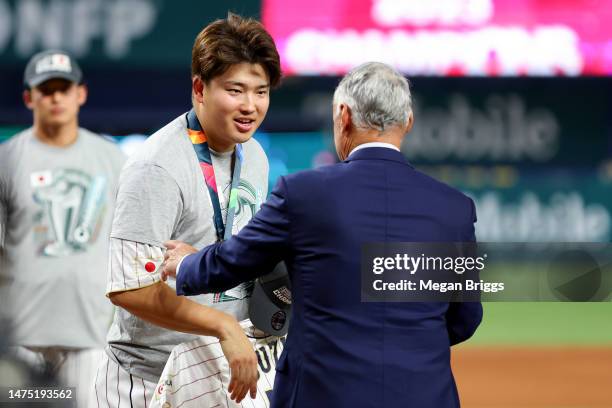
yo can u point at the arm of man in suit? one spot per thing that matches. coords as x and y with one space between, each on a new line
253 252
463 318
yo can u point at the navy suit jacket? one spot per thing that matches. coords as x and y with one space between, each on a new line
341 352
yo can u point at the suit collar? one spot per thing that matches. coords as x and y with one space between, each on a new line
377 153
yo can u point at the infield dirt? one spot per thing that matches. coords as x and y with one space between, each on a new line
533 377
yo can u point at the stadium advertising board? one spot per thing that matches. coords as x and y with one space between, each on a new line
133 32
444 38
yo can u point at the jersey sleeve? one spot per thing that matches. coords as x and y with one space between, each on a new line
132 265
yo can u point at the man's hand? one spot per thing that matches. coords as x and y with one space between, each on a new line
242 360
176 250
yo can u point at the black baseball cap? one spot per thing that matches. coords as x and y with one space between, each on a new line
51 64
270 305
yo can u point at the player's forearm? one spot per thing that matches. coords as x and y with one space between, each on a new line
159 304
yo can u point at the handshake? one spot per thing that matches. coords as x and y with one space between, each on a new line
175 252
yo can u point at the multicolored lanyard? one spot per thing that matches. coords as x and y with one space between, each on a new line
200 144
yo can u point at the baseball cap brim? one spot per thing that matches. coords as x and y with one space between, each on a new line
39 79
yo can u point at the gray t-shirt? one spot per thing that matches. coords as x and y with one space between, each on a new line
56 209
162 195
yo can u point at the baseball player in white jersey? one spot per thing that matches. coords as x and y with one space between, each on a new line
57 191
178 186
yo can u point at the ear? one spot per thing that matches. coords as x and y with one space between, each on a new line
410 123
82 93
27 99
345 119
197 89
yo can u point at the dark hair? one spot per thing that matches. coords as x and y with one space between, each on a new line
235 40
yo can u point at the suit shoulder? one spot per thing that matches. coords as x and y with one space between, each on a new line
451 193
311 175
439 184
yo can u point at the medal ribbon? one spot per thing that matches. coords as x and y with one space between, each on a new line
200 145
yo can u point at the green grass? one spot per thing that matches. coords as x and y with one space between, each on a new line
545 323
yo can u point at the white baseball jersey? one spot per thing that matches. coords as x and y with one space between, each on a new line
162 195
197 373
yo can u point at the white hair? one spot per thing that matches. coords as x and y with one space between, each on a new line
378 96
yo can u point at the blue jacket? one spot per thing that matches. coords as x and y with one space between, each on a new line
341 352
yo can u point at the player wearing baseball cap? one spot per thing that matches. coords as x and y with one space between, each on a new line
179 186
51 64
57 192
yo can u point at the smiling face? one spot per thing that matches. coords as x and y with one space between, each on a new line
231 106
55 102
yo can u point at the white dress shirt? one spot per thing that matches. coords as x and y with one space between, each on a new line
373 144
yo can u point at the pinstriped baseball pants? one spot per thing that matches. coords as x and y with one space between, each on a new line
116 388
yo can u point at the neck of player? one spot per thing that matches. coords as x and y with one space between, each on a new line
62 135
219 146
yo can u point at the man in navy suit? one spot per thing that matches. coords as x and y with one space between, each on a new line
340 351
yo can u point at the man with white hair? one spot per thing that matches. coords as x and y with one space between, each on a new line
340 351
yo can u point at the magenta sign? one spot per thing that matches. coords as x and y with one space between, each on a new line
444 37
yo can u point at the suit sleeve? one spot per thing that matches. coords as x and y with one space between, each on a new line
253 252
463 318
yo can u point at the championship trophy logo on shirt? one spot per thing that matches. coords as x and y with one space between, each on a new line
72 204
249 201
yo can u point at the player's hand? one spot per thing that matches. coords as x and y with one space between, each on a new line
175 251
242 361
